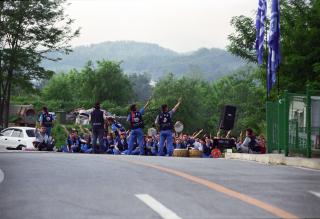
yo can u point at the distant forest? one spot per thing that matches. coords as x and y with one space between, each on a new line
136 57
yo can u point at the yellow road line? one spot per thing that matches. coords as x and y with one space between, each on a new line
219 188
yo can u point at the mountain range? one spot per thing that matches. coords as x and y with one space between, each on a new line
139 57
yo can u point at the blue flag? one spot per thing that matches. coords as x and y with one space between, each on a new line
260 19
274 45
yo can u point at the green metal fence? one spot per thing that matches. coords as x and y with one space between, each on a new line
297 117
293 124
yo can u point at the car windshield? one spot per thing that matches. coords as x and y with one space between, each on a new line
6 132
30 132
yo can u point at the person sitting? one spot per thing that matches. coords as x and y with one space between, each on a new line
43 141
121 145
178 144
73 143
250 144
262 144
151 146
86 144
197 145
109 143
207 146
116 127
186 141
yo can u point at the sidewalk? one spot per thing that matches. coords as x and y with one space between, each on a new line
279 159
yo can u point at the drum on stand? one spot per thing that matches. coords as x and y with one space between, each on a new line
195 153
181 153
152 132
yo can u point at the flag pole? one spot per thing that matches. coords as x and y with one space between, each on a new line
266 60
278 80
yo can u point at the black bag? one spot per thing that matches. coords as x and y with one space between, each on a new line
253 145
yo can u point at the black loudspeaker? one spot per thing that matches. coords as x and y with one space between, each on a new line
227 117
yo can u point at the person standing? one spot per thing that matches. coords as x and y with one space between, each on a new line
46 120
97 120
136 123
164 120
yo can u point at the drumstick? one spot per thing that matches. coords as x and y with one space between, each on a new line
228 134
198 133
241 136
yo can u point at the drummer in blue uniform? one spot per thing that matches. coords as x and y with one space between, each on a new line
164 120
136 123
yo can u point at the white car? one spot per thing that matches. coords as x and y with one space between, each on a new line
18 136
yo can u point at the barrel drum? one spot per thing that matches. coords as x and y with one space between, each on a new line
195 153
181 153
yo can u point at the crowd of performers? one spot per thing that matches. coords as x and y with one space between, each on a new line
114 139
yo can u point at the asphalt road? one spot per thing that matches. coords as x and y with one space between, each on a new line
56 185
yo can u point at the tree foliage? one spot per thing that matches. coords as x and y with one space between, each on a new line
245 91
193 92
141 86
203 101
106 82
300 43
242 41
28 31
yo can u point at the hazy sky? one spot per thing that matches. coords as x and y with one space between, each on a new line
181 25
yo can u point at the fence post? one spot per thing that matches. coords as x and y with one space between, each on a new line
308 125
297 135
286 123
269 126
281 125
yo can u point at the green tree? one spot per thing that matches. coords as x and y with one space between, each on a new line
242 41
105 83
141 86
193 111
58 88
300 44
242 89
28 31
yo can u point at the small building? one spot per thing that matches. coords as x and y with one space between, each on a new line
297 112
23 115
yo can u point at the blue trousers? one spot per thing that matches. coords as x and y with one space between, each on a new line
86 149
48 131
136 134
64 148
166 135
73 149
116 152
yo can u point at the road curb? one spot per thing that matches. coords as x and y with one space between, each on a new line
277 159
